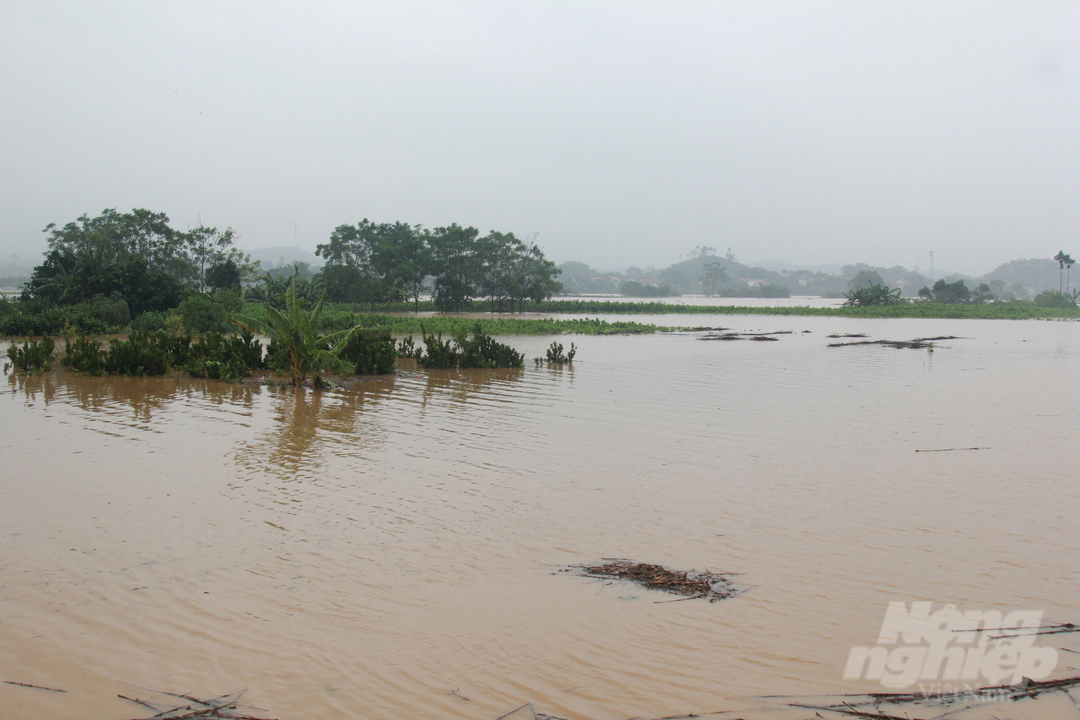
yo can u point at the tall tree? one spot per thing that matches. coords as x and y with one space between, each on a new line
416 265
136 254
365 256
456 259
393 247
206 247
497 253
350 245
1060 257
713 277
532 277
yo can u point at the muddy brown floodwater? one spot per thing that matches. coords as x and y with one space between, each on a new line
391 550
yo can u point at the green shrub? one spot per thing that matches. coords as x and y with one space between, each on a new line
140 354
438 354
84 355
202 315
872 295
150 321
17 324
32 357
407 348
218 357
371 352
555 354
1054 299
480 351
277 356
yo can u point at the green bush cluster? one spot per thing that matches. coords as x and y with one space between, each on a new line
479 351
96 316
213 356
1055 299
32 357
140 354
218 357
872 295
371 352
334 317
84 355
557 356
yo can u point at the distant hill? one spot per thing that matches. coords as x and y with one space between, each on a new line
1019 278
780 266
1035 275
274 257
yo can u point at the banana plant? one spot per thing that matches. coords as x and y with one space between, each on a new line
310 355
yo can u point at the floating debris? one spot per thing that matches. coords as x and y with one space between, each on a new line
222 706
915 344
693 585
955 700
931 705
527 712
846 335
954 449
766 336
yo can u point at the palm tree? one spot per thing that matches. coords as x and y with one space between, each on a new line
1068 267
309 354
1060 257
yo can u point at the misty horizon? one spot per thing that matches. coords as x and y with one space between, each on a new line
624 134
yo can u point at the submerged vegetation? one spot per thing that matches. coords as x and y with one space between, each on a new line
336 317
871 296
33 357
479 351
557 356
295 343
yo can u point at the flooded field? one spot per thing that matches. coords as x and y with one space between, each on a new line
394 551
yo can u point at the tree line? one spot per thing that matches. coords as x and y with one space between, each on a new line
136 256
392 262
101 273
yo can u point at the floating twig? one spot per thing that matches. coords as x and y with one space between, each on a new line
39 687
955 449
141 702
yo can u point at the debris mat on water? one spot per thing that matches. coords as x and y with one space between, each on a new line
762 336
899 344
693 585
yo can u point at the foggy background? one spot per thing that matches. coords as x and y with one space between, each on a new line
623 133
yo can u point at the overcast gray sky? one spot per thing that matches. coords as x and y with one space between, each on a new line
624 133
